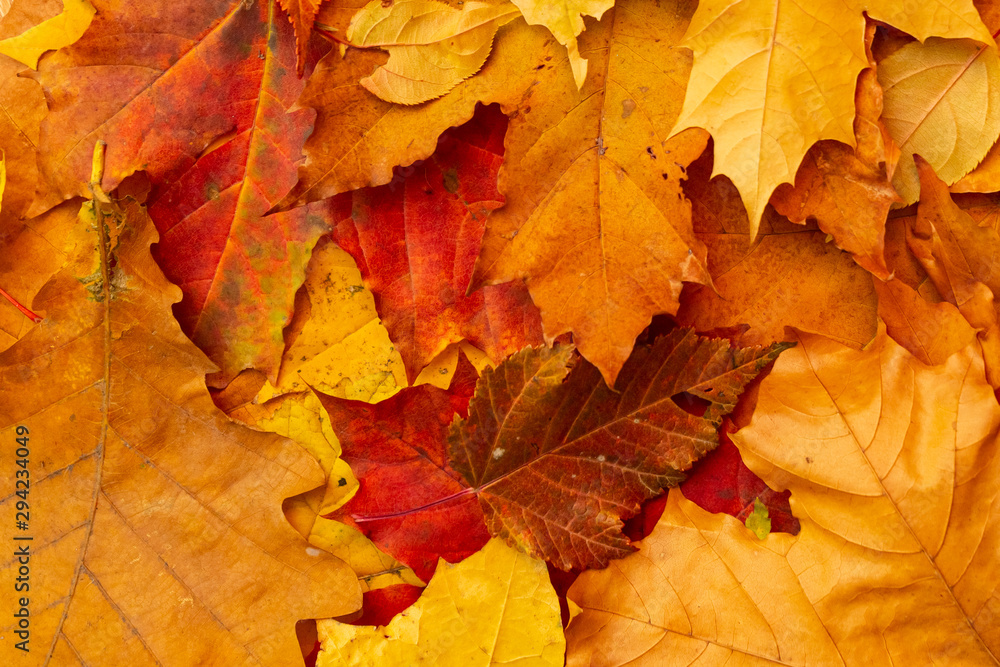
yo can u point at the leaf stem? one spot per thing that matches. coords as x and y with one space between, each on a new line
440 501
27 313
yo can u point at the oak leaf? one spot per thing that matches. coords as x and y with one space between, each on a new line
595 220
773 77
22 108
496 607
416 241
959 257
51 34
432 47
336 342
565 19
894 473
942 102
154 518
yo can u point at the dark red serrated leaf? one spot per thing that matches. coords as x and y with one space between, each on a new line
302 15
416 241
557 458
721 482
410 501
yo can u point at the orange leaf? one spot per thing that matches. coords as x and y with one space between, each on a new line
894 473
596 222
788 277
154 519
932 332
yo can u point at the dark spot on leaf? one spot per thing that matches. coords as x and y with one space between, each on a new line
691 404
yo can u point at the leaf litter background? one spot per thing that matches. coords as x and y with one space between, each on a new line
425 346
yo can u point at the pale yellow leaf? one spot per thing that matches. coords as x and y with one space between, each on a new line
564 18
942 102
55 33
496 607
432 47
772 77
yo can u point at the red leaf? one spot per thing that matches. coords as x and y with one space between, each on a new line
380 605
721 482
159 93
416 240
410 501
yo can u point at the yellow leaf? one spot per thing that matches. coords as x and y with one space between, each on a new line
564 18
942 102
302 418
773 77
336 342
432 47
373 567
55 33
894 472
495 607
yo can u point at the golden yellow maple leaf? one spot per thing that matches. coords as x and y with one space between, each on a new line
894 472
942 102
51 34
564 18
495 607
773 77
432 47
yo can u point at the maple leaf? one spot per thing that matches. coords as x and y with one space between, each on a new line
596 223
495 607
416 241
565 19
773 77
152 516
432 47
893 471
786 276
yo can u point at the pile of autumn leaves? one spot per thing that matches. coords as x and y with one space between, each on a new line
450 302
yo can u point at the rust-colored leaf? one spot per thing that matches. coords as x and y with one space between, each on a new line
416 241
557 458
848 191
153 519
